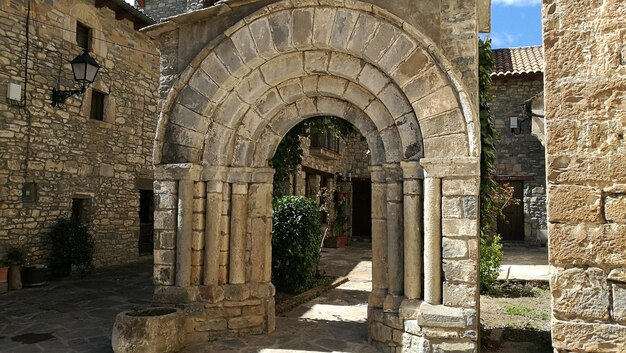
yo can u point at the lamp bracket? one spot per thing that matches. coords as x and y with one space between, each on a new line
59 96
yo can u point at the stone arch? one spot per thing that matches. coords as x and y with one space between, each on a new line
224 117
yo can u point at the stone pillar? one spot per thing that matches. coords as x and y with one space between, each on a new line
412 230
432 240
395 238
379 237
260 211
175 188
212 234
238 230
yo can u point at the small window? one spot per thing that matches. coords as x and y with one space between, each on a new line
83 36
97 105
327 141
80 209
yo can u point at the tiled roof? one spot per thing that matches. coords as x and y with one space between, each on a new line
515 61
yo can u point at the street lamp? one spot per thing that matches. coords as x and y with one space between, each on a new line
85 68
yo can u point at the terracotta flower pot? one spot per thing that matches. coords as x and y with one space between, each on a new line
152 330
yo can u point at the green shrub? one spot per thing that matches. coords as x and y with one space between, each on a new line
490 260
296 241
71 244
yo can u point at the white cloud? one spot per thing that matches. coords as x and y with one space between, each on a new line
502 39
516 2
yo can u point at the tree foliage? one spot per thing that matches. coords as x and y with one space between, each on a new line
296 241
490 190
288 155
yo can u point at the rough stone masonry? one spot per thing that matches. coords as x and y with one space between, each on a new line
585 95
235 77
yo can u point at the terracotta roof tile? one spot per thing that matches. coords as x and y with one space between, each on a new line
515 61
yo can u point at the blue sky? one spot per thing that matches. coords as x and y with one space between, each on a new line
515 23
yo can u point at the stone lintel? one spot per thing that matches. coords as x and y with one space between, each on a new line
183 171
441 316
214 173
448 167
175 294
239 175
412 170
410 308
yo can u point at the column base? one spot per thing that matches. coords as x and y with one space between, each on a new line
376 298
392 303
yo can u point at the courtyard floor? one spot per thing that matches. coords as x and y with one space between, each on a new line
77 316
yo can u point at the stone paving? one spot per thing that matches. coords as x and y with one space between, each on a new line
525 263
77 316
73 316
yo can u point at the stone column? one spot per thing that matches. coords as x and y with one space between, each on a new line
212 234
238 230
395 238
379 237
183 233
412 230
260 211
432 240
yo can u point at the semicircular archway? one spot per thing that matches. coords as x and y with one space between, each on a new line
225 115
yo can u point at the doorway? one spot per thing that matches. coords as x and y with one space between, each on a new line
362 209
511 226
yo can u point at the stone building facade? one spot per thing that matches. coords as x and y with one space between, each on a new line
585 95
520 156
90 156
235 77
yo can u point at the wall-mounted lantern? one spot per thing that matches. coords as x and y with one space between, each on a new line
85 69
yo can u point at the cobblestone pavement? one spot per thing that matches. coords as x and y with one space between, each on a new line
73 316
77 316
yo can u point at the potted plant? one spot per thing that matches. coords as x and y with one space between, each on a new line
16 257
72 244
150 330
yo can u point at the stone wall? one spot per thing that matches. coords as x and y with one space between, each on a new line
585 75
520 155
159 9
61 149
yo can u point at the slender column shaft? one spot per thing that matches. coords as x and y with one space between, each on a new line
395 242
379 237
238 229
432 240
412 239
183 233
212 233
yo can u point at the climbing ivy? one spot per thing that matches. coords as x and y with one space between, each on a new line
491 192
288 155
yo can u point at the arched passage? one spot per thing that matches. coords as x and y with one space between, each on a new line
223 120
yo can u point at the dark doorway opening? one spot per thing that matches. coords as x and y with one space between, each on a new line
146 222
511 228
362 209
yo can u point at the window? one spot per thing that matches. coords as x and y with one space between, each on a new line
83 36
97 105
80 209
327 141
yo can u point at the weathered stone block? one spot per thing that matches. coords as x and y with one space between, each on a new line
460 270
160 331
211 294
619 303
454 248
236 292
459 294
580 293
615 209
575 204
380 332
441 316
586 337
456 347
587 244
245 322
212 325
